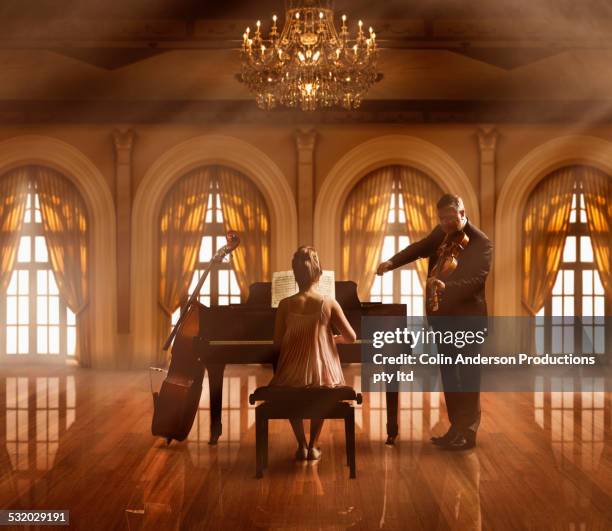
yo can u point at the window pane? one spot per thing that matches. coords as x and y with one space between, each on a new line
568 306
569 251
71 340
568 282
205 287
556 306
417 288
24 254
223 282
417 306
376 286
23 285
206 249
54 340
53 310
11 310
234 287
387 284
223 300
40 249
586 249
41 310
557 288
41 282
23 310
388 249
41 340
587 282
599 310
24 340
12 287
587 306
221 241
52 284
70 317
11 340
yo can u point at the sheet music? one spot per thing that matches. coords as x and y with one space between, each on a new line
284 285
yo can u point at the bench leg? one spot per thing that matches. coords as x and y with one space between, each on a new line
350 422
260 423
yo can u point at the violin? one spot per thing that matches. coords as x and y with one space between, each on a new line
447 262
176 404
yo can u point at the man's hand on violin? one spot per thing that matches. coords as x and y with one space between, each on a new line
383 267
435 283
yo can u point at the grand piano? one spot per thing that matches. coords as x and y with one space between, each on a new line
242 334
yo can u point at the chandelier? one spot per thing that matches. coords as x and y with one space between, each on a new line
308 63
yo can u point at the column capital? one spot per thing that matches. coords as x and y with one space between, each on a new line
305 139
487 138
123 140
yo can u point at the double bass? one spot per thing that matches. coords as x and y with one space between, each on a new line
176 404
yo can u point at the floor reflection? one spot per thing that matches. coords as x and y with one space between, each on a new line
38 412
81 439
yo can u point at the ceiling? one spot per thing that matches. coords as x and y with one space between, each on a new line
179 50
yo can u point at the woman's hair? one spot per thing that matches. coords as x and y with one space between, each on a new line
306 267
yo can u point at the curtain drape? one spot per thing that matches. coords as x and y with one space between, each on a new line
66 230
597 190
364 224
245 211
545 226
420 195
13 199
182 221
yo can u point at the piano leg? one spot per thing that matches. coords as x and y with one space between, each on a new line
392 427
215 386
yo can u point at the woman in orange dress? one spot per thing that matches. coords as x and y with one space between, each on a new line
303 333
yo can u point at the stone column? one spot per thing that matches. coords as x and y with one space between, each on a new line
487 141
305 143
123 141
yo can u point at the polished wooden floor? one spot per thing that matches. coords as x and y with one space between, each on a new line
80 440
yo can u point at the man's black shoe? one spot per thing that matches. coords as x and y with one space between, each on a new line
462 441
444 439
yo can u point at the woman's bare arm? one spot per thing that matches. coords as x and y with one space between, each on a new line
339 320
279 323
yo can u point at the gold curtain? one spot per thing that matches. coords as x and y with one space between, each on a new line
245 211
13 198
182 221
66 229
597 189
420 195
545 227
364 224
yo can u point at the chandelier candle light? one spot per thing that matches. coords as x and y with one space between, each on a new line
309 63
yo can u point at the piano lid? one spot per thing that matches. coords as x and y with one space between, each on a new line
260 294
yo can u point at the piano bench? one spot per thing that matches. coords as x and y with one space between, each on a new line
304 403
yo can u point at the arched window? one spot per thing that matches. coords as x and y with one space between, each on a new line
577 290
387 210
401 285
36 319
195 218
221 285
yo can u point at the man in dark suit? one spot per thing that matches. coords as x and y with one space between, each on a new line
462 293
